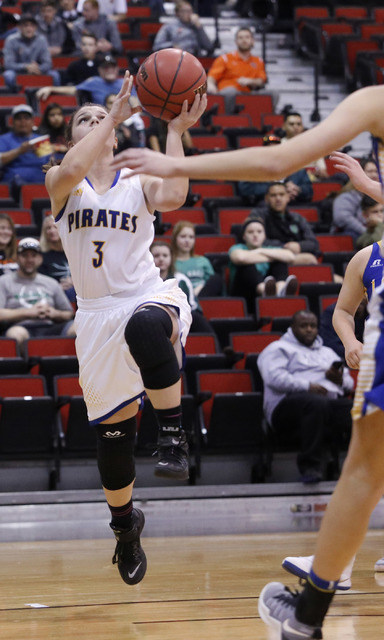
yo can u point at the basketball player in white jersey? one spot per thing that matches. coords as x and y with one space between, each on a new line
130 325
361 483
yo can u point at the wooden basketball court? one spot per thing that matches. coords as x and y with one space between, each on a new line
196 588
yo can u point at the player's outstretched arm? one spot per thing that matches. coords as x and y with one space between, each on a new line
360 111
356 174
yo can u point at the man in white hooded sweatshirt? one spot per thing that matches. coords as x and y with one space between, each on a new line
305 392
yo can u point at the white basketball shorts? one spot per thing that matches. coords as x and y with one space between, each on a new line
109 376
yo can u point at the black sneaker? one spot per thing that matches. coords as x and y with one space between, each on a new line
129 554
172 456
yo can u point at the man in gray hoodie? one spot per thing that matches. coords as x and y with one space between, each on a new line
304 392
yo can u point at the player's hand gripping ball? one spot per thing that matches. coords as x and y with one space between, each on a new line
166 78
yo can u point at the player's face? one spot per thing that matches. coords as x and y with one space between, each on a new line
162 258
185 241
86 119
88 47
277 198
371 170
5 233
305 329
254 235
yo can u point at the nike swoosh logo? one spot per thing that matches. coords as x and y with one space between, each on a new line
131 575
287 627
162 464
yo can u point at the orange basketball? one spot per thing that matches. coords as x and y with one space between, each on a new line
166 78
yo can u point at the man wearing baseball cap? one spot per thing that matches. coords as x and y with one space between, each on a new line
32 304
26 51
19 164
96 88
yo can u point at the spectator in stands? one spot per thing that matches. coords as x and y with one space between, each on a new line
298 184
94 89
306 391
32 304
8 244
198 268
68 12
8 22
157 136
373 215
286 228
27 51
293 126
86 66
163 258
186 32
55 263
347 213
115 9
54 28
105 29
257 269
238 71
131 132
53 123
20 161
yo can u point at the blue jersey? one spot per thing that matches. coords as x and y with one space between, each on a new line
373 272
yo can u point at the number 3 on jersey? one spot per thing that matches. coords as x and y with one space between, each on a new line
97 262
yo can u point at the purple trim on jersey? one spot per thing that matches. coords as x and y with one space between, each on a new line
111 413
117 176
376 394
61 212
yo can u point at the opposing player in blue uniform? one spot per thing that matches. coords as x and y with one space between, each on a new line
130 325
361 483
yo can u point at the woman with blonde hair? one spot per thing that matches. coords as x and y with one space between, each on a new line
197 268
55 263
8 244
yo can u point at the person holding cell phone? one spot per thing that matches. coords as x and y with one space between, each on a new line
306 393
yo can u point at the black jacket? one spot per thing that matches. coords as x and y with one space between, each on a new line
289 227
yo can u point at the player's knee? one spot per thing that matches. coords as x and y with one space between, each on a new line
115 453
148 334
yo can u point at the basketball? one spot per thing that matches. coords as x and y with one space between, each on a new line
166 78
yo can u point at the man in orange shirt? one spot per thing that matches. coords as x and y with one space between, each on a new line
238 71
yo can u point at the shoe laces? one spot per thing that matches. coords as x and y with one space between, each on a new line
288 597
120 547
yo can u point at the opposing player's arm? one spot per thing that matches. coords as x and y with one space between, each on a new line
360 111
350 296
355 172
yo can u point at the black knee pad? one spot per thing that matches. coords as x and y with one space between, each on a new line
115 449
148 335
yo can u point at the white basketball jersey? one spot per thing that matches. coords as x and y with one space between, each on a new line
107 237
